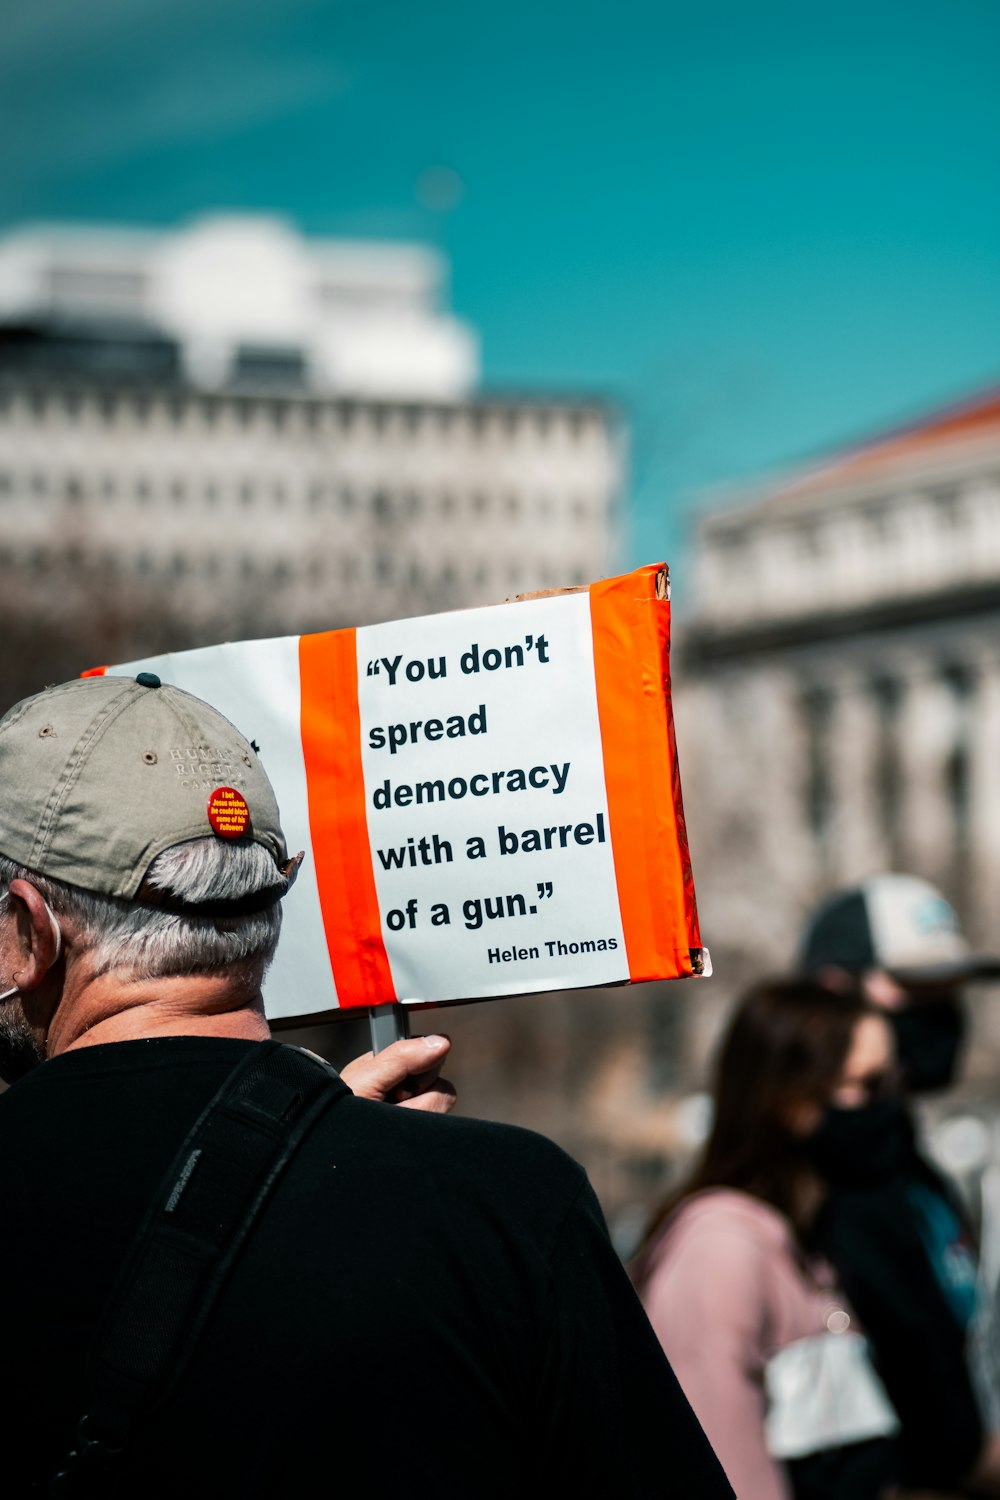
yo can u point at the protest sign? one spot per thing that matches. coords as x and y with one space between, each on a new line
489 799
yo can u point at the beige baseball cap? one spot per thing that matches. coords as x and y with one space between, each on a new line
100 775
898 923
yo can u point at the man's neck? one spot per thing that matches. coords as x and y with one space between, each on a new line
112 1009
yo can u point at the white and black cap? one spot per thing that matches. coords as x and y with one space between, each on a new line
898 923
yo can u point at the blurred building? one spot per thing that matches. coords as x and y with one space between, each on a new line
231 430
840 707
234 302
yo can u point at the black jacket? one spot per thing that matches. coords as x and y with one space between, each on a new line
427 1306
872 1236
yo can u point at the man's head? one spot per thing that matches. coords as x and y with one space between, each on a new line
897 940
139 841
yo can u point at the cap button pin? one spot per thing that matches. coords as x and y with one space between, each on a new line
148 679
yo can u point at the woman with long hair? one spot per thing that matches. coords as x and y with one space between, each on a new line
759 1334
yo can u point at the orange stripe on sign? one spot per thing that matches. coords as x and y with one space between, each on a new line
95 672
648 837
331 747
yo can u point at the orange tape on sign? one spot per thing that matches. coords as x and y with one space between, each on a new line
652 865
331 748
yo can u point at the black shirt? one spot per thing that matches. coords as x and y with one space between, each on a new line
427 1306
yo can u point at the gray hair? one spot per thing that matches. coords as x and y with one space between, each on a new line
150 943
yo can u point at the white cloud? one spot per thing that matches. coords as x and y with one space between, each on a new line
85 84
199 104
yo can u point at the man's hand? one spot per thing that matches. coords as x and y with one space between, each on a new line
405 1073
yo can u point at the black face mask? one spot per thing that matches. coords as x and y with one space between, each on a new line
859 1147
929 1037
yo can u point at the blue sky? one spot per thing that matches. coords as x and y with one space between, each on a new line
763 229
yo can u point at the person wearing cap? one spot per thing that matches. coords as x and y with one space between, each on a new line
892 1224
900 940
422 1304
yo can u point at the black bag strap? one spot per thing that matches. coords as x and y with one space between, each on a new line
196 1224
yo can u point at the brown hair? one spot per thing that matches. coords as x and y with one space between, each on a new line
785 1044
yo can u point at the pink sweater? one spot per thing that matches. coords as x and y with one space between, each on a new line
726 1292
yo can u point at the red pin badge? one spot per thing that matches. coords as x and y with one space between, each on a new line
228 813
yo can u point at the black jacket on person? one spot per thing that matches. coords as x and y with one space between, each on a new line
426 1307
872 1235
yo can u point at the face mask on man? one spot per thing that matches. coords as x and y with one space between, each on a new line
861 1147
929 1036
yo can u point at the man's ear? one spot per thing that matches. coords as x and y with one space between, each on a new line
39 935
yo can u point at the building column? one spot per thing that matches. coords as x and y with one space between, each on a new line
982 885
929 735
858 846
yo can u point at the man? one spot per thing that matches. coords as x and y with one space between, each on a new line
892 1225
423 1306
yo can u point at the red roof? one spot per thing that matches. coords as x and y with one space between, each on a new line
970 424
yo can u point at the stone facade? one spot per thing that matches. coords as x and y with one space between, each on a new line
838 703
840 673
139 518
228 430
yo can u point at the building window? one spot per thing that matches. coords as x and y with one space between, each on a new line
887 695
960 682
817 714
810 540
879 521
947 510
